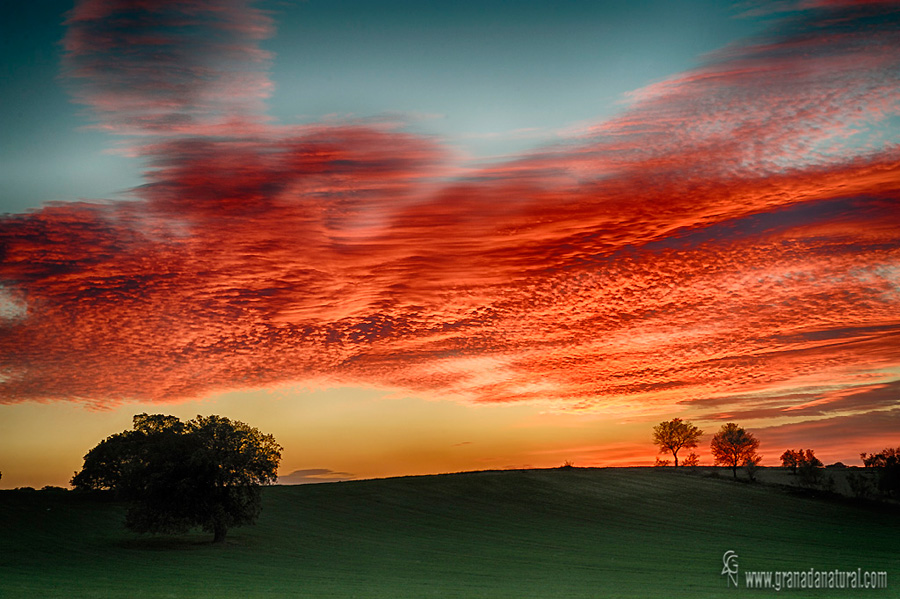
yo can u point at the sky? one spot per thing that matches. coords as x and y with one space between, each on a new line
410 237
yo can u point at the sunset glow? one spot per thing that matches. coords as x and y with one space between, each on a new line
723 245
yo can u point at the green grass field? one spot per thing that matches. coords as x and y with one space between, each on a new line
546 533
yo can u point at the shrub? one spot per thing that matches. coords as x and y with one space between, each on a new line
887 464
860 485
810 474
751 465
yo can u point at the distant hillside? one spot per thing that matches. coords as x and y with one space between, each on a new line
541 533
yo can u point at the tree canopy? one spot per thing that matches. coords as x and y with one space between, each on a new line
176 475
887 464
733 446
805 463
674 434
795 459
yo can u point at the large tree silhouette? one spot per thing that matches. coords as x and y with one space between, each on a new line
733 446
179 475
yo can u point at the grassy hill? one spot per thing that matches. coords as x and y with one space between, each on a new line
542 533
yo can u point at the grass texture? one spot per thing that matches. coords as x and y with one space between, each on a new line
586 533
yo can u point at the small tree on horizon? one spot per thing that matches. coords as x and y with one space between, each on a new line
691 461
789 459
800 459
672 435
733 446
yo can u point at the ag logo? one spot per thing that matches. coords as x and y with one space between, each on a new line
730 567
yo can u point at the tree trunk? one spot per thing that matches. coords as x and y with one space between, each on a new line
734 471
675 455
220 530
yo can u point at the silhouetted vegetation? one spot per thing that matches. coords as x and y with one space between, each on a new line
672 435
733 446
860 485
886 464
179 475
800 459
751 466
692 462
810 474
805 464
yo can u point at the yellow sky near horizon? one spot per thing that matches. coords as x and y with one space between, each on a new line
359 433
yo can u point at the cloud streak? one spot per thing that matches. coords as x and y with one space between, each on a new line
314 475
734 232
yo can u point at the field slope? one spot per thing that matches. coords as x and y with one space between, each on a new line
543 533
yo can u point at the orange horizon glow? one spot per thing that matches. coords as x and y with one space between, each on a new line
356 434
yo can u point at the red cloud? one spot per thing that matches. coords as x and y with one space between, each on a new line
727 234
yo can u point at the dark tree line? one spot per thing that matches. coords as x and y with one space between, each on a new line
886 464
734 447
